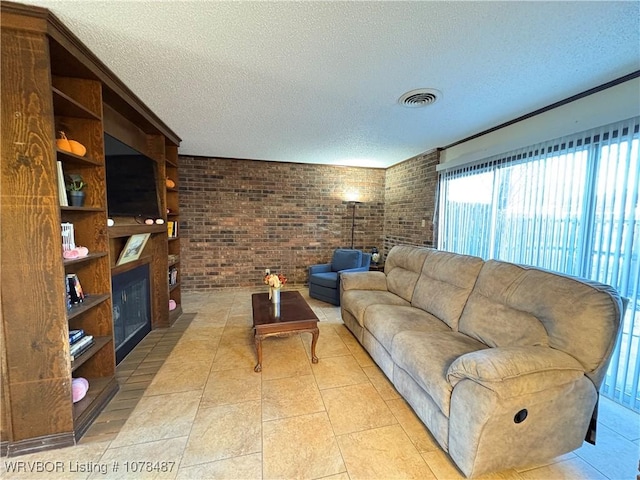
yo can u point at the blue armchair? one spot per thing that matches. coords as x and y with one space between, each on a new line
324 279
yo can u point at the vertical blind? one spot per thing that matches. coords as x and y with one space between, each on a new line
569 205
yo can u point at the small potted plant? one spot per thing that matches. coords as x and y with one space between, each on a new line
74 187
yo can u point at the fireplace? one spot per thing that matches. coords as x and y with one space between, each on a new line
131 309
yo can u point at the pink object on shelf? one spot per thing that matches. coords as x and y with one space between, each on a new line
77 252
172 305
79 388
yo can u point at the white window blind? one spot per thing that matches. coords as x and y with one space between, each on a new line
569 205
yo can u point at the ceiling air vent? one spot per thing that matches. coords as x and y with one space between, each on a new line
419 98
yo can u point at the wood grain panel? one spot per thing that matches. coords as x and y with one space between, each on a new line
35 328
5 404
159 281
123 129
41 408
28 169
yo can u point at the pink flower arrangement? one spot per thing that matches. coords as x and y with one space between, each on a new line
275 280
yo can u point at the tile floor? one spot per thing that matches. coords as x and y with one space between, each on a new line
191 406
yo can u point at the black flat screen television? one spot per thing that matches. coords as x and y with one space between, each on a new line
131 181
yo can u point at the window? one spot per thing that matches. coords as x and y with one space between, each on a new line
569 205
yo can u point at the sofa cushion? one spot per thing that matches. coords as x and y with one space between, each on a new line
386 321
403 267
445 283
356 302
344 259
328 279
531 306
427 356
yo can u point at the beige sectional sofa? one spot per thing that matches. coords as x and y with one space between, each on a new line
501 362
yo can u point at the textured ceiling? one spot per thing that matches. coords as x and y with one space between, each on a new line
319 81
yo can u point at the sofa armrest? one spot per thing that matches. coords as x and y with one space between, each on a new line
511 371
320 268
363 281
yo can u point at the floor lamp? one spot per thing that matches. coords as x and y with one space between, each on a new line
353 204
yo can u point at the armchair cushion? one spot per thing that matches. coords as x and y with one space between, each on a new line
344 259
326 279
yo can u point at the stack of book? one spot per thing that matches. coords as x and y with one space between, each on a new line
79 343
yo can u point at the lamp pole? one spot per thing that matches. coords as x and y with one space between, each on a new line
353 221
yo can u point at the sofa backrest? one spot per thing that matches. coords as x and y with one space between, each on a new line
402 268
445 283
515 305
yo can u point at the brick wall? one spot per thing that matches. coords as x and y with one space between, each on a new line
410 195
238 217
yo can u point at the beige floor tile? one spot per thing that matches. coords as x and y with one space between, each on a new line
190 349
444 469
300 447
382 384
611 445
358 351
179 377
285 357
290 397
235 334
151 460
338 371
413 426
240 320
159 417
574 468
337 476
231 386
223 432
234 356
356 407
245 467
382 453
329 343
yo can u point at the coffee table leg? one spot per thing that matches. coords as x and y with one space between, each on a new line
258 340
314 340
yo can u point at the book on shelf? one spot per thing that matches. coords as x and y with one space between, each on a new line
62 190
81 346
75 294
172 228
75 335
173 276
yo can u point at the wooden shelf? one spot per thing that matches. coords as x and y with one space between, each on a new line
72 158
101 390
66 106
91 256
175 313
89 302
174 286
174 262
171 239
82 209
127 230
99 342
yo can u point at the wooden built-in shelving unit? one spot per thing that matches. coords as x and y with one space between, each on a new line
51 82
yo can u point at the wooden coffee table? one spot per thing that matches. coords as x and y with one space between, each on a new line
293 315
